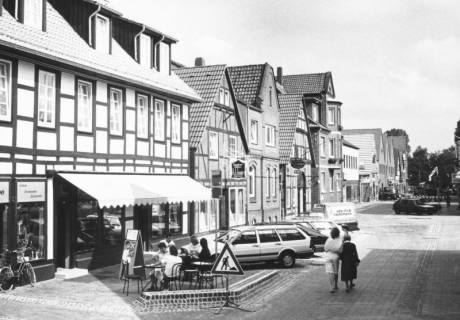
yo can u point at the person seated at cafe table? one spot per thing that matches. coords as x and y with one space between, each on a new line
193 249
172 260
168 241
205 254
163 252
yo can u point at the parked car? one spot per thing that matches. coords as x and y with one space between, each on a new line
341 213
267 243
412 206
317 239
323 226
426 201
388 193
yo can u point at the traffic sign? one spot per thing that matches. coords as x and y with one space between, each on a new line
227 263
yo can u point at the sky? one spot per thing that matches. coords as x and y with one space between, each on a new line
394 64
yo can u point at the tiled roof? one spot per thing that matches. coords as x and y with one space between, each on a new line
62 44
246 81
205 81
305 83
290 106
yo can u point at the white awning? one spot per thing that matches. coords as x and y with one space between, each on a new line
130 189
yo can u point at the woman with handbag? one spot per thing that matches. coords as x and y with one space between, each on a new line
350 261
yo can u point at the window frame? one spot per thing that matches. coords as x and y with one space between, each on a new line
231 146
331 148
226 98
213 143
254 129
252 181
176 123
40 98
90 108
273 186
97 34
267 182
270 135
322 147
159 124
331 181
8 89
331 116
315 112
145 121
112 131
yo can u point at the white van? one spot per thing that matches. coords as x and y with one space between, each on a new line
342 213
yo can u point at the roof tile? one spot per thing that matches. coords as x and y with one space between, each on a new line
305 83
246 81
290 107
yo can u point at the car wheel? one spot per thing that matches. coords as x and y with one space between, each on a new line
287 260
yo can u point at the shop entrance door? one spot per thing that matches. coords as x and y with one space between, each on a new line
66 202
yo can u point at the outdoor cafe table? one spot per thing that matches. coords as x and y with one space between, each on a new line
203 268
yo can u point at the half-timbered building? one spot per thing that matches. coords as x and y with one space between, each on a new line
94 134
218 146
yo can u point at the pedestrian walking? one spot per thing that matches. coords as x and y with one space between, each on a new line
333 248
350 261
448 199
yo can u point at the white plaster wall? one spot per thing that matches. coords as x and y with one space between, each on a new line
101 116
26 73
67 110
50 219
40 169
130 143
85 144
143 148
66 139
24 136
46 140
160 150
116 146
101 141
185 130
184 112
176 152
130 120
23 168
6 135
67 83
101 91
184 150
130 101
26 103
6 168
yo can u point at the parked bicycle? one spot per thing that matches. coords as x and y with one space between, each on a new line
15 271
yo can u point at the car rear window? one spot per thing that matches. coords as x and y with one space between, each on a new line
246 237
268 236
290 234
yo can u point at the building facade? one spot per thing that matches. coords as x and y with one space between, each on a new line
218 147
326 132
91 122
401 152
350 165
255 89
295 156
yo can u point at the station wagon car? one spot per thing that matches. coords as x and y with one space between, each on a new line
267 243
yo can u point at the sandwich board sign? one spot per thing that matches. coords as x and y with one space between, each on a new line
227 263
133 252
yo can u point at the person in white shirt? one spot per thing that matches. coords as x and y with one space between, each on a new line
194 247
168 241
333 248
172 260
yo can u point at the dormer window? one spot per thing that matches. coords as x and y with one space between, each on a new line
102 33
33 13
163 58
145 50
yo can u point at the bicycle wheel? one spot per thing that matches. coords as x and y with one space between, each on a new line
28 274
6 279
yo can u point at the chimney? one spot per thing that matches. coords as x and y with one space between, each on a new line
279 75
199 62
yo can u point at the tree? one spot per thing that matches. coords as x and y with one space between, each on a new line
418 166
445 161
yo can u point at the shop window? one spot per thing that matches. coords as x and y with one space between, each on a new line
5 90
3 227
142 117
158 221
116 112
98 228
46 99
30 222
85 106
159 120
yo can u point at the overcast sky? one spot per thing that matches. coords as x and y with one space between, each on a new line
395 64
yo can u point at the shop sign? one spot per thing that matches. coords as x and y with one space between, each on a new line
31 191
4 192
298 163
238 169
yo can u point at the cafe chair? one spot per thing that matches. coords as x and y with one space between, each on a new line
190 275
208 279
174 279
126 277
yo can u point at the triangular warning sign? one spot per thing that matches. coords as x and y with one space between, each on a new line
227 263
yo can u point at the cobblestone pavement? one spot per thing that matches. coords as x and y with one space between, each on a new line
409 270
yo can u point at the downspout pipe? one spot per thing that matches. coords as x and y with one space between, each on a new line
136 43
90 25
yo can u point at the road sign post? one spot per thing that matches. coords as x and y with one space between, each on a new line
227 264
